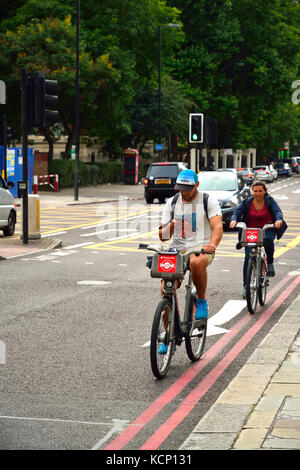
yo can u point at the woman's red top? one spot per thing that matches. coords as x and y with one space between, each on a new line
259 218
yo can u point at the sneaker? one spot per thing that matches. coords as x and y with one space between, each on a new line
202 309
270 270
163 348
244 295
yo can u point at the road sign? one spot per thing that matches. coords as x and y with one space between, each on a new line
159 146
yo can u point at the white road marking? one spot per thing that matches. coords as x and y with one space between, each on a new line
123 236
118 427
294 273
25 418
78 246
92 283
107 231
52 234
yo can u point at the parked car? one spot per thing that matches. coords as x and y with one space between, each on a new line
283 169
294 164
248 175
8 214
228 169
275 174
161 179
264 172
228 187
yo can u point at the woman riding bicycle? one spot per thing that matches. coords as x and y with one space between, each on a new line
256 211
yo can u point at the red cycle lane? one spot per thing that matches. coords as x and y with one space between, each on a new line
199 391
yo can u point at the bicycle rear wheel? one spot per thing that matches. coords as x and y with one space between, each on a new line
195 342
263 283
160 363
251 287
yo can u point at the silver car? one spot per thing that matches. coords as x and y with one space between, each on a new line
264 173
8 214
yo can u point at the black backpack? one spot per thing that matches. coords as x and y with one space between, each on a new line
205 199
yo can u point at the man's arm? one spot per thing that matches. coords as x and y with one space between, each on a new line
166 231
216 234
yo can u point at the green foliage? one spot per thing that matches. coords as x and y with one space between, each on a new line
88 174
232 59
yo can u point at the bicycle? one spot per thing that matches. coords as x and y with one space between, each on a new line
256 277
167 326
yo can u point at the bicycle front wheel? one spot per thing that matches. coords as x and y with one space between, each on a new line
195 342
160 334
251 286
263 283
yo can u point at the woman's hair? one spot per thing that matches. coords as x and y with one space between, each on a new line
260 183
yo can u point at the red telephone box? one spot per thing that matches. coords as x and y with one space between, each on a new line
131 166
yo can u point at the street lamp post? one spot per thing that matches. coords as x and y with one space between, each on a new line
170 25
77 104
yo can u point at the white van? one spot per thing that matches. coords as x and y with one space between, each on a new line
8 214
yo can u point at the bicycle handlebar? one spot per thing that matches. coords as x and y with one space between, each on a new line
243 226
144 246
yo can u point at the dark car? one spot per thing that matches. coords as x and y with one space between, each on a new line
248 175
161 179
228 187
294 164
283 169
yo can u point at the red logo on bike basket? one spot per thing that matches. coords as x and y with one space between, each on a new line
252 236
167 264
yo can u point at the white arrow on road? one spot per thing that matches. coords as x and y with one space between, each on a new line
227 312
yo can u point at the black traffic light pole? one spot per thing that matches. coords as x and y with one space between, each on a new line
4 138
26 90
38 95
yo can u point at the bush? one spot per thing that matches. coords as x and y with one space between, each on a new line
88 173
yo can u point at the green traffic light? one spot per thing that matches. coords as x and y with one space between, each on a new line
195 137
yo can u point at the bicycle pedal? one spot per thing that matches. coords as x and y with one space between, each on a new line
200 323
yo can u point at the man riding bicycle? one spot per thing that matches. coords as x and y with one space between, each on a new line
190 224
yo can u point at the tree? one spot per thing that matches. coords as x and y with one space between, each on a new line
49 46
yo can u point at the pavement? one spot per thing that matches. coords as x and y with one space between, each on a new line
260 408
11 247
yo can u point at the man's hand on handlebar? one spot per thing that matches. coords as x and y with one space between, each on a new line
232 223
209 248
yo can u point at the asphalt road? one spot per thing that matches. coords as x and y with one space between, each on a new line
77 322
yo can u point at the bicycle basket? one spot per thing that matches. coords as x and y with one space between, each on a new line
252 236
168 266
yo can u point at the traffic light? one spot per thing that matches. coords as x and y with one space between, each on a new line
45 101
196 128
9 135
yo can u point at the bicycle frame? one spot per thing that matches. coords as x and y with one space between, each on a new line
170 289
253 238
171 331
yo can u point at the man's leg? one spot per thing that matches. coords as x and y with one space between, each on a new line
198 265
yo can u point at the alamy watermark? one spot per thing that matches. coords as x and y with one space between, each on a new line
296 94
123 220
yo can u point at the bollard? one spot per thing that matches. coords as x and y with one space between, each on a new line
33 217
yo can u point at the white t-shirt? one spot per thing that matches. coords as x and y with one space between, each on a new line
191 227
